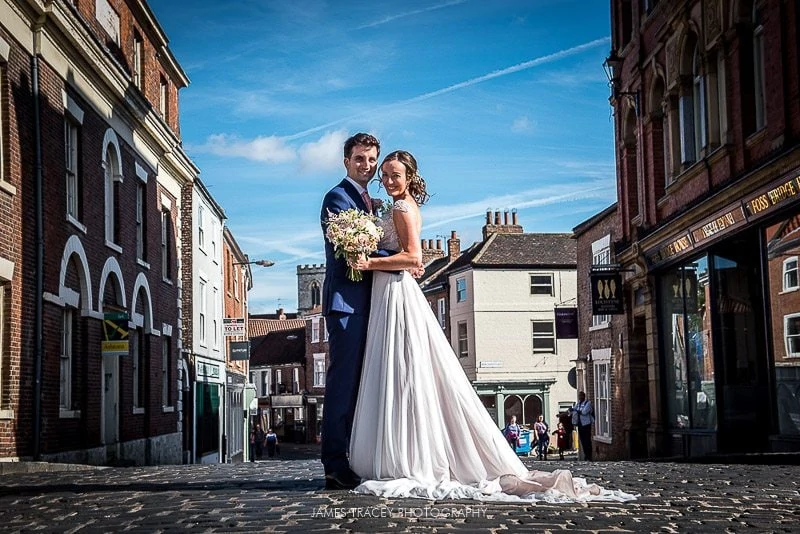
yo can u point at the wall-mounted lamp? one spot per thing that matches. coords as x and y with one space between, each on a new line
261 263
611 66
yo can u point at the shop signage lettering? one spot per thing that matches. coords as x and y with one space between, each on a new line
671 249
717 224
772 197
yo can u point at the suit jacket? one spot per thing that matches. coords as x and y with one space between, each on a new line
339 293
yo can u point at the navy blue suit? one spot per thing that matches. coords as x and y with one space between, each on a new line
345 305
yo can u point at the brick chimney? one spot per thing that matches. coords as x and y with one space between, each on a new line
429 253
500 225
453 247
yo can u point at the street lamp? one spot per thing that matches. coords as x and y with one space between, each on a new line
261 263
611 66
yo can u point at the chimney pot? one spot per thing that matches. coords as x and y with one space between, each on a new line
505 217
423 244
514 217
497 217
488 217
430 243
453 234
438 244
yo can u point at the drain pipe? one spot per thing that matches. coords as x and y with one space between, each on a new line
39 239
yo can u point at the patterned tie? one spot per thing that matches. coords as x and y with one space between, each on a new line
367 201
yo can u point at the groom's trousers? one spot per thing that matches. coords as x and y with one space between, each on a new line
347 335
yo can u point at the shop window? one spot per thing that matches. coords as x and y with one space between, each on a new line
790 279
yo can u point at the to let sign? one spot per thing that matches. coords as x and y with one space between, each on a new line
233 327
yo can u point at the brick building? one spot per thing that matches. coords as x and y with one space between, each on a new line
706 99
91 174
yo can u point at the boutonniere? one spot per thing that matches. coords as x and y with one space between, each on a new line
380 207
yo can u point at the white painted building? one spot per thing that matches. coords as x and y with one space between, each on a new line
513 321
208 350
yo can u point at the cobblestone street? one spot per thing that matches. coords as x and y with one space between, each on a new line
286 495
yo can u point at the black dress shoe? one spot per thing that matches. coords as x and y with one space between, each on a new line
346 480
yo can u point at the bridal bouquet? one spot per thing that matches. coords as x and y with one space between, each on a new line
353 234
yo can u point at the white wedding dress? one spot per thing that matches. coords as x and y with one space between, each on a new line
420 430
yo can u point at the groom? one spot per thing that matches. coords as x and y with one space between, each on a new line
345 305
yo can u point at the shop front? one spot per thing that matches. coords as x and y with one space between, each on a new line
727 316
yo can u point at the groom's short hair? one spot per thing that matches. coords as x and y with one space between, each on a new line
361 139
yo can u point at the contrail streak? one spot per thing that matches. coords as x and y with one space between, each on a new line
549 58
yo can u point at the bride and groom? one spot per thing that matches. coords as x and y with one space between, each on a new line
401 419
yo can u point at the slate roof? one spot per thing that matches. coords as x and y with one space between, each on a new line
261 327
528 250
279 347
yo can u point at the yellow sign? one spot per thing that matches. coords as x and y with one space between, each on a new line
115 334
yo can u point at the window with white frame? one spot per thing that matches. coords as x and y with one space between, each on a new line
440 312
296 380
463 340
791 335
215 320
202 312
201 242
544 336
166 244
266 382
315 330
542 284
324 330
759 80
111 195
139 367
601 361
601 255
699 101
278 380
214 240
163 95
790 275
166 370
71 154
138 60
67 353
319 370
141 221
461 289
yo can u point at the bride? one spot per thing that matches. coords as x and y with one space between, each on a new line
419 429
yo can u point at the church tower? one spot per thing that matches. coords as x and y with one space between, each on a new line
309 288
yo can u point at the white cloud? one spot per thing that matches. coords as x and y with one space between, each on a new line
521 124
270 149
324 154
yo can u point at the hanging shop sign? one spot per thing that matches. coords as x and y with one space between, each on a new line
240 350
606 292
567 323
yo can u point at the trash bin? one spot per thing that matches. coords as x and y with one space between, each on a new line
524 443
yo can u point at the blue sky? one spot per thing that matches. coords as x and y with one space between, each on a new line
504 103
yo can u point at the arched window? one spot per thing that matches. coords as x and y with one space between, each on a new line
316 299
692 105
758 69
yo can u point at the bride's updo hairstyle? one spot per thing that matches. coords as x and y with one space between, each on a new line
416 185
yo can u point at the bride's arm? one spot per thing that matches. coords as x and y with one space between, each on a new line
407 224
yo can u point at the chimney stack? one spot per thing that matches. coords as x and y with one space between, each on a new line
454 245
501 224
438 244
